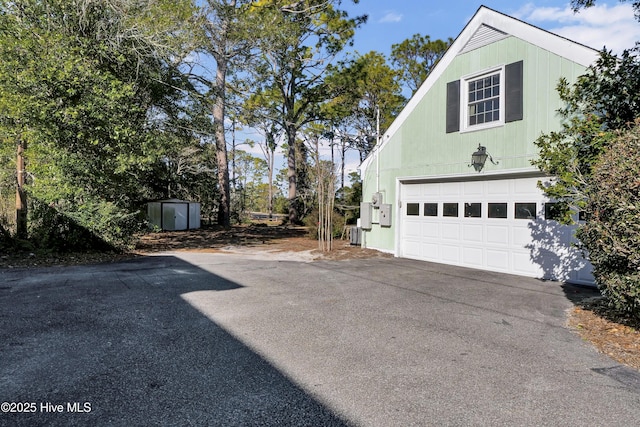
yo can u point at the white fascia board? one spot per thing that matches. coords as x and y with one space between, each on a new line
365 164
554 43
473 176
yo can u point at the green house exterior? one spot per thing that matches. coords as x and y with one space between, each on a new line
513 69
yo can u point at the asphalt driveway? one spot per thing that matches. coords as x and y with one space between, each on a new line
235 340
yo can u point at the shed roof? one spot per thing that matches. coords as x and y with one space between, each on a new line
171 201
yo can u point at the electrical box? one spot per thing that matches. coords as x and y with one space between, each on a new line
385 215
365 215
376 200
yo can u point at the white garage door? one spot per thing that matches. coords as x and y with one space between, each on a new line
500 225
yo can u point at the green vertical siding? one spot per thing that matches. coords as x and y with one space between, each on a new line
422 148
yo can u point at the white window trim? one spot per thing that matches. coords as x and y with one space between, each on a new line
464 100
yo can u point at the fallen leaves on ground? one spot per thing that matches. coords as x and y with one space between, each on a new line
616 337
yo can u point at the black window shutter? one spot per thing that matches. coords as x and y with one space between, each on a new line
453 106
513 93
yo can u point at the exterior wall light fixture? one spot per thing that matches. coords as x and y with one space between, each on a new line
479 158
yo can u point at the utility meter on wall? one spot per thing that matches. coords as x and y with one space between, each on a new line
376 200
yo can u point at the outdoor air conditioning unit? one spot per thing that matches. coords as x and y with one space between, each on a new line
376 200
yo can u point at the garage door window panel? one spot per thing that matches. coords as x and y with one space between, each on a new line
450 209
473 210
430 209
413 209
552 211
525 211
497 210
512 227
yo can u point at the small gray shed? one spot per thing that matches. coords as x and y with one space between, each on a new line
174 214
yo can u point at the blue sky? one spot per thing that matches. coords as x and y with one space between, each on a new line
609 23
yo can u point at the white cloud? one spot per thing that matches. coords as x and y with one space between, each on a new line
351 166
612 26
391 17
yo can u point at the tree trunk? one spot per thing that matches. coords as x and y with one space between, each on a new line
224 207
21 195
233 154
270 165
269 151
224 217
320 195
292 175
343 149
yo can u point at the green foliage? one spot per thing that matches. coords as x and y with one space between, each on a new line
605 98
311 222
299 41
250 194
594 160
92 88
280 204
359 88
416 57
228 35
612 232
91 225
349 198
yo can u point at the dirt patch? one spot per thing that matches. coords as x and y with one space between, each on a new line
250 239
217 238
275 241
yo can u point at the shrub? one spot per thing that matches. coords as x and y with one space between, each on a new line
311 222
92 225
612 231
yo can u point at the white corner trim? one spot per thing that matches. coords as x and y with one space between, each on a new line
398 234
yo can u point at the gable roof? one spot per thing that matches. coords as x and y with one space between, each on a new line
488 26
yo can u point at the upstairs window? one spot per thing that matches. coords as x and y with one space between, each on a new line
485 99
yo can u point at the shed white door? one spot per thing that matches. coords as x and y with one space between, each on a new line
174 216
499 225
168 217
181 212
